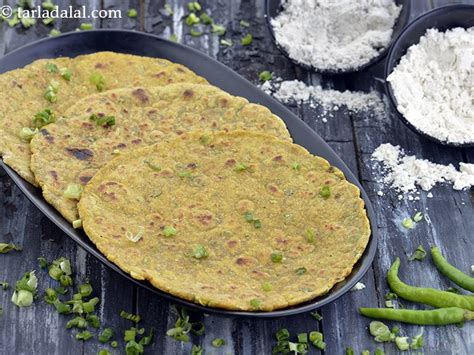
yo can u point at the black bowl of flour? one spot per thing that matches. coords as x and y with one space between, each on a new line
442 19
274 7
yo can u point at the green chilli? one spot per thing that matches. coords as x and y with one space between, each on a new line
430 296
448 270
441 316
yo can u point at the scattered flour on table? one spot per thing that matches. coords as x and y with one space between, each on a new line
335 34
434 84
406 173
330 101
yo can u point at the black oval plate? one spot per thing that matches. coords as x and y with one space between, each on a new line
76 43
273 8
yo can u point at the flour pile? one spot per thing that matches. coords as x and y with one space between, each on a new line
335 35
295 91
434 85
405 173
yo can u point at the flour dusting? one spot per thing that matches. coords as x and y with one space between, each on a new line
406 173
434 85
335 35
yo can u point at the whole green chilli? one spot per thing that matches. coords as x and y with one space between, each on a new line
452 273
440 316
430 296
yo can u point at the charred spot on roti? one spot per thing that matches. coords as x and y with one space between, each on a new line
80 153
141 95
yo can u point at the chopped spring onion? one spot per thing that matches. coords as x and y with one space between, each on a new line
43 263
27 133
266 76
380 332
241 167
417 342
54 32
48 5
129 316
86 26
43 118
247 40
267 287
226 42
219 29
25 290
197 350
77 223
419 254
104 352
218 342
106 335
51 68
73 191
300 271
169 231
7 247
316 315
317 339
66 74
84 335
195 33
185 174
418 216
77 322
408 223
199 252
402 343
132 13
98 80
349 351
192 19
206 19
255 303
325 191
85 290
51 91
93 320
194 6
310 235
277 257
248 216
102 120
302 337
244 23
135 238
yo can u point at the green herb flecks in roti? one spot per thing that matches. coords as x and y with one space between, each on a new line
220 256
102 126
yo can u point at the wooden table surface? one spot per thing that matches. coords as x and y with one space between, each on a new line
41 330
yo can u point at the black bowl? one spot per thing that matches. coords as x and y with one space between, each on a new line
273 8
442 18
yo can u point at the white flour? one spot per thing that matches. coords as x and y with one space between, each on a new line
335 34
405 173
294 91
434 84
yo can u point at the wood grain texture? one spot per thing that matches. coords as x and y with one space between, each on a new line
40 330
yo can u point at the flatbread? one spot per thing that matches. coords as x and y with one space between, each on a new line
71 150
23 92
239 197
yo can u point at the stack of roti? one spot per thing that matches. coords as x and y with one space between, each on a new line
180 183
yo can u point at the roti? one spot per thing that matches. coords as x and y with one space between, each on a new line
237 220
67 154
56 84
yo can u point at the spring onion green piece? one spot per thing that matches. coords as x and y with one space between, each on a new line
325 192
73 191
185 174
197 350
298 348
266 76
277 257
43 263
77 223
246 40
365 352
226 42
132 13
419 254
417 342
195 33
147 339
84 335
192 19
48 5
267 287
218 29
300 271
52 68
241 167
25 290
402 343
114 343
106 335
85 290
199 252
27 22
173 37
51 91
54 32
194 6
379 352
169 231
302 337
244 23
317 339
48 21
13 20
206 19
43 118
135 238
183 326
60 270
4 285
316 315
93 320
168 9
27 133
62 308
218 342
310 235
248 216
66 74
380 332
255 303
7 247
104 352
89 306
408 223
129 316
103 120
418 217
349 351
50 295
86 26
98 80
77 322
